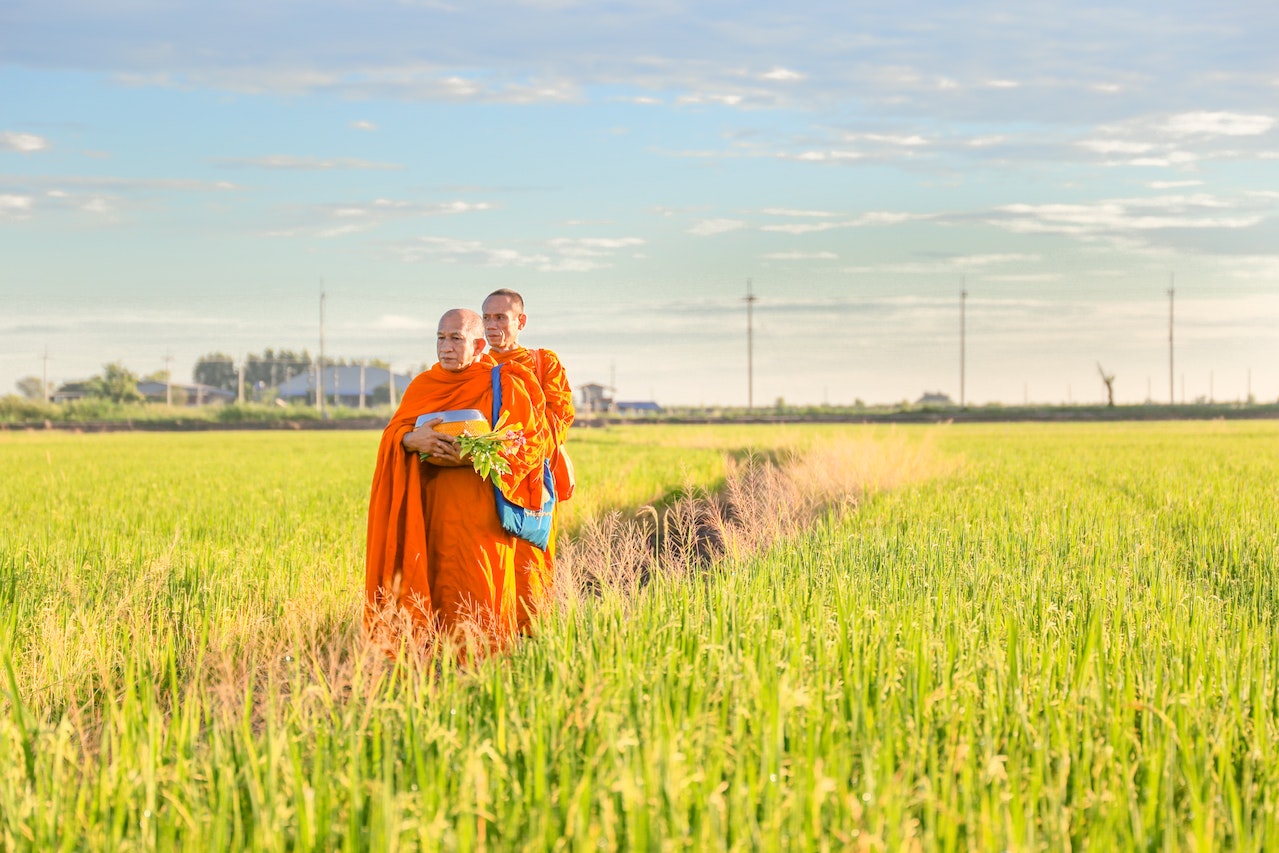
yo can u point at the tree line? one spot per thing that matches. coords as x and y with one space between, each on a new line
268 369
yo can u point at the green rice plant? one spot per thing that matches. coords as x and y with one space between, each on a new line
1039 637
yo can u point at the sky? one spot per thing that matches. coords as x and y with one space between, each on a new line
183 178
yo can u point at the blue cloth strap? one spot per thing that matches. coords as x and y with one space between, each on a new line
497 394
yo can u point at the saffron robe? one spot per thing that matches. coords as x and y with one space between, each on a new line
535 568
435 547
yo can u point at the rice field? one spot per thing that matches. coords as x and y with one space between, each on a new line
1038 637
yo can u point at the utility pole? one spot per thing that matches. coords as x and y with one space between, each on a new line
750 301
239 385
44 380
963 298
319 384
1171 292
364 363
390 373
168 379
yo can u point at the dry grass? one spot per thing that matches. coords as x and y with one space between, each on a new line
764 499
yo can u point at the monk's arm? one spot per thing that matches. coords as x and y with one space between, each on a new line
440 447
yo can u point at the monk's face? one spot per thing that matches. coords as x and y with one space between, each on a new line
457 343
502 322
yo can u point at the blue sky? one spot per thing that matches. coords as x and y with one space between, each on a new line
178 178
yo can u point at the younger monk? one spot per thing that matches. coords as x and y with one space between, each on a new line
504 318
436 550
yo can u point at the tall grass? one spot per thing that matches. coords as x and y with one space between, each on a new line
1034 637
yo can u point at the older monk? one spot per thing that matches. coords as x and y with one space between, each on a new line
504 319
436 550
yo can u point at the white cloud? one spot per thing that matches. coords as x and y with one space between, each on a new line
1219 124
994 259
727 100
1172 158
592 247
973 264
343 230
908 141
289 162
873 218
833 155
100 205
888 217
15 206
363 125
356 218
1003 84
567 254
121 185
1115 146
800 256
804 227
1123 215
787 211
25 143
641 100
707 227
1172 185
783 74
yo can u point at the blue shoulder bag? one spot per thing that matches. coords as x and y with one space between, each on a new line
531 525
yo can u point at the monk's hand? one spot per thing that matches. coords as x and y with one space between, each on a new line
441 448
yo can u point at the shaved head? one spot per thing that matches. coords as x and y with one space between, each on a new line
517 301
459 340
503 319
466 319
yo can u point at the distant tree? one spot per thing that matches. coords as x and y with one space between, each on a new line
1109 379
274 367
117 384
218 370
31 387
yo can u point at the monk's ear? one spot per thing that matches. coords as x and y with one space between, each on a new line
478 345
523 318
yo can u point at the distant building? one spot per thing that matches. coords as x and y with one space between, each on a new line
194 394
345 383
69 392
934 398
593 397
636 408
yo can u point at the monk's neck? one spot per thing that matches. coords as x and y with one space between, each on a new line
508 351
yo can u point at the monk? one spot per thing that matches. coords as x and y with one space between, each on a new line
437 553
504 319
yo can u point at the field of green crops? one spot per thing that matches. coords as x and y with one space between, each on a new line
1045 637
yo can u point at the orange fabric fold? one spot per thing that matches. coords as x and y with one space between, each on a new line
535 568
434 547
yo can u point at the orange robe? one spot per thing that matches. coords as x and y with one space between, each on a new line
535 568
435 548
